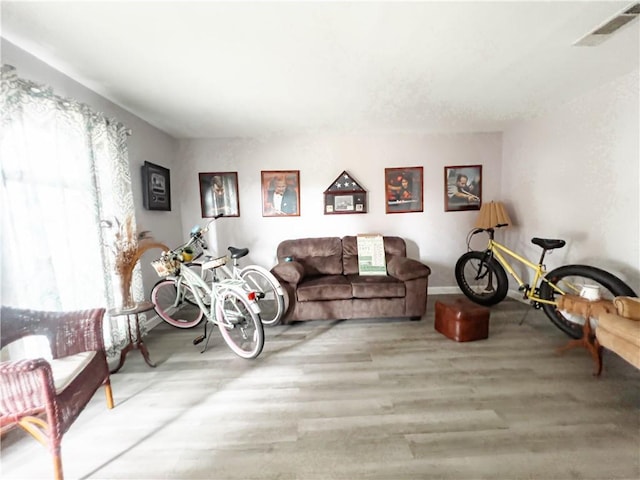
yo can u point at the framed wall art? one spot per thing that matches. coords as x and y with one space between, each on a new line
219 194
345 195
462 188
403 189
280 193
156 187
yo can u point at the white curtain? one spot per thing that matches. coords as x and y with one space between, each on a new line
64 167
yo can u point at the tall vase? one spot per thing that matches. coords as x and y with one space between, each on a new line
126 297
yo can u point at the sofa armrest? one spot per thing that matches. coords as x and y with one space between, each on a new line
404 268
290 272
628 307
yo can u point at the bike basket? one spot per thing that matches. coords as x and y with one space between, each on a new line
165 267
215 263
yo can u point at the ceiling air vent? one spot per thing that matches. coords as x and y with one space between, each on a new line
604 31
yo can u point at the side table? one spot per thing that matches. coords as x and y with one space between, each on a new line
133 322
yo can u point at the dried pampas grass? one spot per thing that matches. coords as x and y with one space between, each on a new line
127 247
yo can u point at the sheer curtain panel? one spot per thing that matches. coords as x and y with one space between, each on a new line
64 167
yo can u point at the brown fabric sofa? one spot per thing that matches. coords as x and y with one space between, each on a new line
620 331
322 281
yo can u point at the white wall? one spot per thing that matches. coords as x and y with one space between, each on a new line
435 237
145 143
573 173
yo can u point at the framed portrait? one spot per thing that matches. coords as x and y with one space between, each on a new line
462 188
219 194
403 189
156 187
280 193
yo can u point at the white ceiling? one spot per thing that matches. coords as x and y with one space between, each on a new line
221 69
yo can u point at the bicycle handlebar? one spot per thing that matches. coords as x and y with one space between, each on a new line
196 234
491 229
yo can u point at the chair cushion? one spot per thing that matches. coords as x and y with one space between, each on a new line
65 369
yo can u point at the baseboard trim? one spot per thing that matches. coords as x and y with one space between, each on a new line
514 294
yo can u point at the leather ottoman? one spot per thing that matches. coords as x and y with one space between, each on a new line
462 320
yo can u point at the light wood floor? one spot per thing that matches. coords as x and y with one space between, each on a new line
365 399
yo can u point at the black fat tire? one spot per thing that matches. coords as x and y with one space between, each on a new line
570 279
490 287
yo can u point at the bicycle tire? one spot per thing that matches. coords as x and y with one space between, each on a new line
481 278
570 279
268 293
240 326
184 314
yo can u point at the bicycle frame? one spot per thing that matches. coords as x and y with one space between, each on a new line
496 250
197 284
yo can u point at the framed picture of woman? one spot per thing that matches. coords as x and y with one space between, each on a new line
219 194
403 189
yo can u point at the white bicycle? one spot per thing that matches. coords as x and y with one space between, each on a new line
269 293
227 303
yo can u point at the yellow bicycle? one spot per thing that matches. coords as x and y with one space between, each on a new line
482 278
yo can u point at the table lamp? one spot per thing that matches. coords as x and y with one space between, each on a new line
491 215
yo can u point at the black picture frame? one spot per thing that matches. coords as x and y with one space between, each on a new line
156 187
462 188
219 194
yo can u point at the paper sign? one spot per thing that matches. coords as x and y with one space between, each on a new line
371 259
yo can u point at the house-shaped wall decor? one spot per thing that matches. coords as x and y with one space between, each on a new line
345 195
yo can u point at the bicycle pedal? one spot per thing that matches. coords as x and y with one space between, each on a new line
198 340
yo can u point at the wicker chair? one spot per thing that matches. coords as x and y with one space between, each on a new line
45 397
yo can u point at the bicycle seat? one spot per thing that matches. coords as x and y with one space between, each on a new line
548 243
238 252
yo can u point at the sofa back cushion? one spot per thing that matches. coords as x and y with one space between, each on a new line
392 246
318 256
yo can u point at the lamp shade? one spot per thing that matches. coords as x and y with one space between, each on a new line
491 215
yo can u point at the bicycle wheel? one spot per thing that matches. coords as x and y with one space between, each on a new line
268 293
481 278
570 279
239 325
175 311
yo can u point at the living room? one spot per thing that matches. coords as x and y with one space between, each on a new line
567 168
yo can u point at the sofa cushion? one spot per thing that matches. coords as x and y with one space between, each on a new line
369 286
620 327
392 246
325 287
318 256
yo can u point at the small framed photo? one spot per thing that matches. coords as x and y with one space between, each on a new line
404 189
156 187
280 193
462 188
219 194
